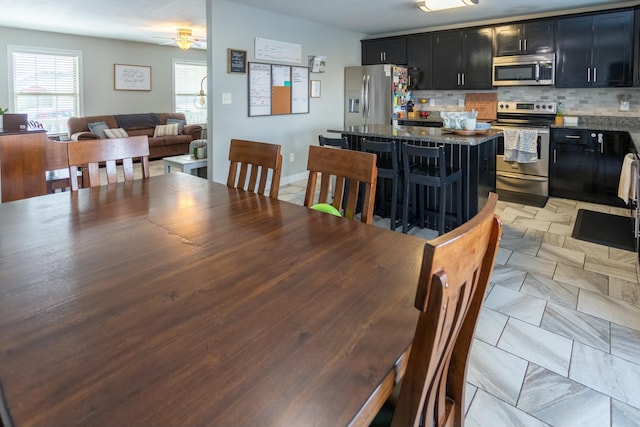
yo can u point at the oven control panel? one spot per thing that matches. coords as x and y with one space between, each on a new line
523 107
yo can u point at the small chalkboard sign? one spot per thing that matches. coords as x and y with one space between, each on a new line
236 61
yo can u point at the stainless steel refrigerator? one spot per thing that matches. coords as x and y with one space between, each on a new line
374 94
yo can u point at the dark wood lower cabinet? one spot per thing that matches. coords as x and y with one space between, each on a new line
586 164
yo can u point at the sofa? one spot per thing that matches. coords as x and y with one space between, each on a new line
171 138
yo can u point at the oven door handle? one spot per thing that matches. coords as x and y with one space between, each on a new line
522 177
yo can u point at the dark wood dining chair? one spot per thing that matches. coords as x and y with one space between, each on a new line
250 158
95 151
456 268
356 166
57 166
22 166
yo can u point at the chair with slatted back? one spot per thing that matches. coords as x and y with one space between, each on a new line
427 167
389 168
95 151
250 159
57 166
356 166
333 142
456 268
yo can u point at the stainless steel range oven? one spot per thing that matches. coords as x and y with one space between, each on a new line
527 179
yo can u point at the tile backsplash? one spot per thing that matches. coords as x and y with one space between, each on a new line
576 102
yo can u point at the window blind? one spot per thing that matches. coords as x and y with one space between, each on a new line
188 76
46 87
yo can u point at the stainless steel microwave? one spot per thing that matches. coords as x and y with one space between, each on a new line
524 70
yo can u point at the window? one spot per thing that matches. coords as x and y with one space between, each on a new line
188 77
45 84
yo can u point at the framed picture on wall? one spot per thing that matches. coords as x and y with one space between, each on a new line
131 77
236 61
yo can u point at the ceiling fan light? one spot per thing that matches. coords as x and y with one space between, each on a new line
435 5
184 43
185 38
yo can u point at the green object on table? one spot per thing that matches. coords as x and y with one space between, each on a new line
326 208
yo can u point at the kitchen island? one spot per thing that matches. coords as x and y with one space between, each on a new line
474 155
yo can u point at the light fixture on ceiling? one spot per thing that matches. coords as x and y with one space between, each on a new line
185 38
435 5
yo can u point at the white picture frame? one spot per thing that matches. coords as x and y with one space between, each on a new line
131 77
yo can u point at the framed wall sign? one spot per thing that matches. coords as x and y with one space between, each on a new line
236 61
131 77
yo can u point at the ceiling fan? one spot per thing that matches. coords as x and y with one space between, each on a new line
185 39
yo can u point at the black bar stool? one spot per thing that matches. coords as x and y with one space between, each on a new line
338 143
429 169
388 168
334 142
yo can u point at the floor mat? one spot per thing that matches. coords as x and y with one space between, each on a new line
522 198
604 229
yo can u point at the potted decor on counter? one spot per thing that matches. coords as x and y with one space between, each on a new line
2 111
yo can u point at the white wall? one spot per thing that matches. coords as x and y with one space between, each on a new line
99 56
235 26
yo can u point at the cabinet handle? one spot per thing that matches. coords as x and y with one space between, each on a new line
380 56
601 143
462 79
525 44
555 156
572 136
519 44
458 79
588 75
595 74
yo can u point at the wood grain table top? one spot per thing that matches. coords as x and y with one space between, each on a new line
174 301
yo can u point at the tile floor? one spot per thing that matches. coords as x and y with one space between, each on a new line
558 339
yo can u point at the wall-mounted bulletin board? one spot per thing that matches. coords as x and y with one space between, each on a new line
277 89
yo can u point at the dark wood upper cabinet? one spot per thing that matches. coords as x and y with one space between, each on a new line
595 50
636 49
462 59
419 61
526 38
384 51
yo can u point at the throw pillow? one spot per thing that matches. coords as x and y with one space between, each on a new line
166 130
181 124
98 128
116 133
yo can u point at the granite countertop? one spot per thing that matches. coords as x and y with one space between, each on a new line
610 123
415 133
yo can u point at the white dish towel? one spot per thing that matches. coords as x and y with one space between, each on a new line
628 179
520 145
510 143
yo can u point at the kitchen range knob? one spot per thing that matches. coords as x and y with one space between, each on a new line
501 105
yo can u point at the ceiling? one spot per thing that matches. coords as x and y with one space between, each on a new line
151 21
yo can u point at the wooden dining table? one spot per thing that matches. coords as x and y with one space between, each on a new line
176 301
